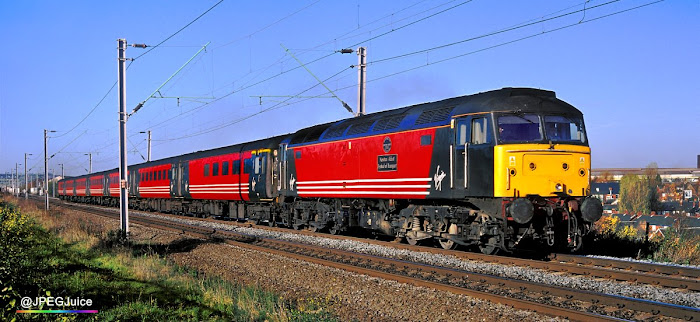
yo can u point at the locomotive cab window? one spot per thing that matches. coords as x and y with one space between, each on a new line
564 129
519 128
480 131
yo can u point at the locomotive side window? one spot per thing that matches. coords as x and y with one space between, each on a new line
480 131
206 170
462 133
224 168
519 128
215 170
426 140
564 129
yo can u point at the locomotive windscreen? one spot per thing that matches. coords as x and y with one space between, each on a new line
519 128
564 129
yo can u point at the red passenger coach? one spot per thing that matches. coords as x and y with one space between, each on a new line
391 166
219 177
96 188
113 184
70 188
154 182
81 187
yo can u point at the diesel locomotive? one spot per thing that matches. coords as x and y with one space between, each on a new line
498 171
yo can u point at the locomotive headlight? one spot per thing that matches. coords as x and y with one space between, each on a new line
558 186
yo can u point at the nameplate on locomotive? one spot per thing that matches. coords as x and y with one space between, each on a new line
387 162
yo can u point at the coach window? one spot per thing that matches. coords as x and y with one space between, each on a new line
480 131
206 170
248 166
224 168
215 169
236 167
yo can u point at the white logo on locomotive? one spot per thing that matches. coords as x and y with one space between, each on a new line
437 178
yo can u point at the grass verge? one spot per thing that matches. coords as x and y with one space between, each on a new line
676 245
61 256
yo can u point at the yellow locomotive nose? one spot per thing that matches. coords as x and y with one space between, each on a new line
538 169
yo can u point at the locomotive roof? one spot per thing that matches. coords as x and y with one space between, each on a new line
436 113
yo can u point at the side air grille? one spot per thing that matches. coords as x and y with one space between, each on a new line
360 127
388 123
436 115
335 132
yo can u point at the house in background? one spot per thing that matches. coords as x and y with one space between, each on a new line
606 191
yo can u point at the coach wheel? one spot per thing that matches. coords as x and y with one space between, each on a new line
334 230
312 228
411 240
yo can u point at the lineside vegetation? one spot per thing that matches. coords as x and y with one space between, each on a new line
56 255
676 245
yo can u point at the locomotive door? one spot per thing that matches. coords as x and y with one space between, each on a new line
473 156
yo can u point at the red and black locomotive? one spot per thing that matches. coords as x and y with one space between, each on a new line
495 170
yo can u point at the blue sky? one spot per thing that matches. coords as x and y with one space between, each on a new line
634 75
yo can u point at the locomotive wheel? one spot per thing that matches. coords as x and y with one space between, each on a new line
411 241
488 248
333 230
447 244
312 228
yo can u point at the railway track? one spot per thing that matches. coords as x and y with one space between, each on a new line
618 270
546 299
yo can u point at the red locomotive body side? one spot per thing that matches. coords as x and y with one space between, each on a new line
113 184
96 186
155 181
391 166
80 187
219 177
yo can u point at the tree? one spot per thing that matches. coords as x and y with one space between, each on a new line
640 194
634 195
653 180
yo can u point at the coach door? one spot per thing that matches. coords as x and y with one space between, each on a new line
281 165
473 156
